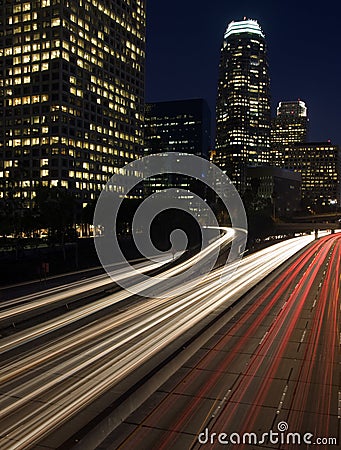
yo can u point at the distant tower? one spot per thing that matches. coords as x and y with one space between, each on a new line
243 102
290 126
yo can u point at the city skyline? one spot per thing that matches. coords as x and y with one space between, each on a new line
155 292
185 42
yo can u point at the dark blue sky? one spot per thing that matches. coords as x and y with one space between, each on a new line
304 53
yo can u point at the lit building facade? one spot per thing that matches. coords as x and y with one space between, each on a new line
319 165
72 93
290 126
178 126
182 126
243 102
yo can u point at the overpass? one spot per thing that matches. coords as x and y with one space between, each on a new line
325 217
311 222
301 227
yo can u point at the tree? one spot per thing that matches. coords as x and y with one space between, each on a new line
57 210
259 214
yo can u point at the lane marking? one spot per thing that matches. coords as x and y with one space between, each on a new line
282 399
223 400
261 341
302 338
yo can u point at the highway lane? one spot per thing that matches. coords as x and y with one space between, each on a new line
64 320
43 387
75 340
12 310
251 263
23 307
277 361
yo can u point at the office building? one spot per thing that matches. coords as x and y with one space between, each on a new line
72 93
319 165
281 186
243 102
290 126
176 126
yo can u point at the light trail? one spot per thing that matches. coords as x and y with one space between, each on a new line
11 309
69 318
34 302
192 407
243 403
74 371
254 261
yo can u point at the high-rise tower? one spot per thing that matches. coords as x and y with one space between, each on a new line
243 102
290 126
182 126
71 93
178 126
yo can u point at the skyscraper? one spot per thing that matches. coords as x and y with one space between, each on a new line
243 102
72 93
179 126
290 126
182 126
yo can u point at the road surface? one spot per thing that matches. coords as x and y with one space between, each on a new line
277 362
44 383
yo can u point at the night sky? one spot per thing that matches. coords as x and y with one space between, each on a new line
304 53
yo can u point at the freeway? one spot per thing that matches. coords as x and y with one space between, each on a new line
275 365
14 309
45 385
30 305
24 306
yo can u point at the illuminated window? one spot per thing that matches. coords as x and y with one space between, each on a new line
55 22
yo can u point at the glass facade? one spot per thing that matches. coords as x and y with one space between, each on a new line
179 126
176 126
243 102
72 93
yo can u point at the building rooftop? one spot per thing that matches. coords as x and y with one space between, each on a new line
243 26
